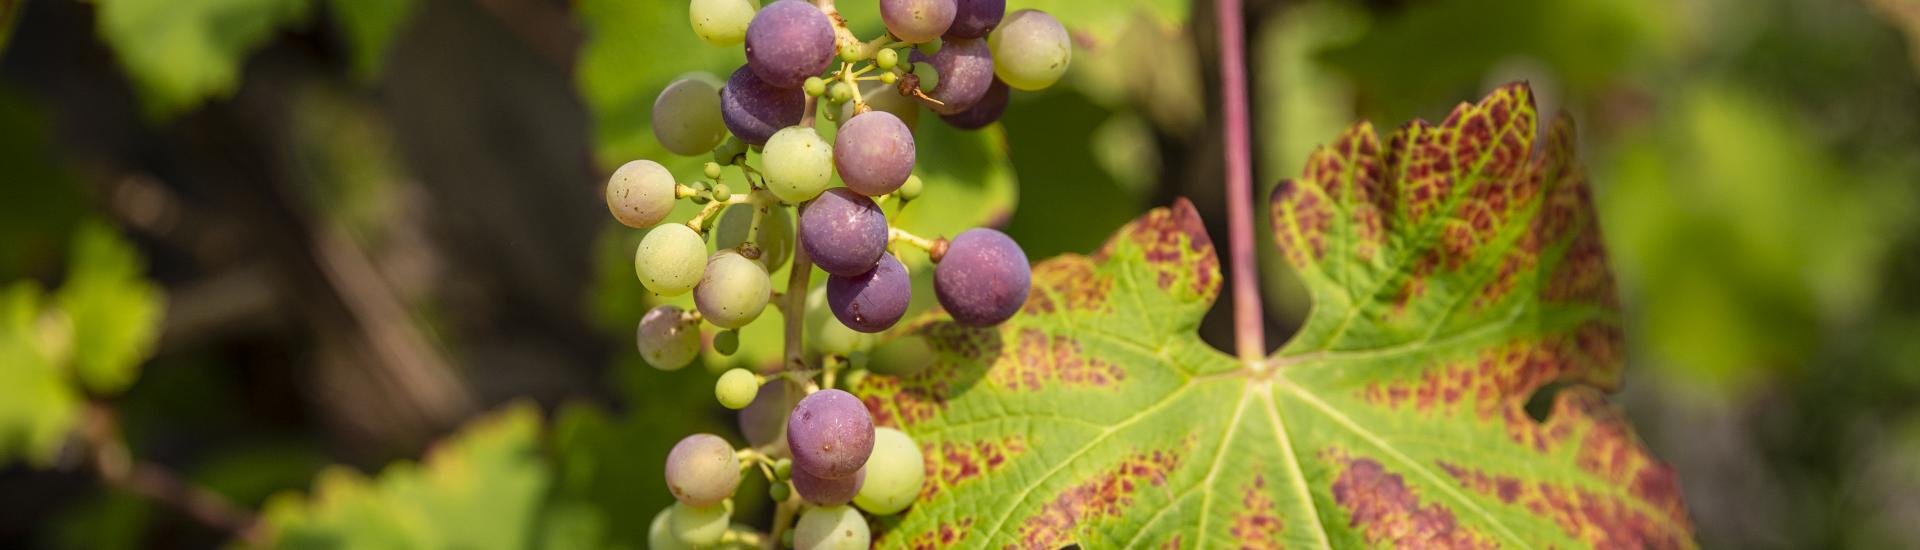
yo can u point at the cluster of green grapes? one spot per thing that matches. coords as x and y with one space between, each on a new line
817 445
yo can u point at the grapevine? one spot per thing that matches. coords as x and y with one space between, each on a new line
777 193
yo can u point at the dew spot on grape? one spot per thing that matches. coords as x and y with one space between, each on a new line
1388 513
1105 495
1602 521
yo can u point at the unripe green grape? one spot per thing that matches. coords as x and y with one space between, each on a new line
733 291
780 491
726 342
666 340
839 93
886 59
736 388
798 164
889 78
640 193
728 150
831 528
894 474
775 236
783 469
660 533
721 192
670 259
814 86
929 76
911 189
686 115
824 333
712 170
701 526
722 22
1031 50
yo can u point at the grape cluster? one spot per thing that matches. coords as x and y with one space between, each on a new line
818 445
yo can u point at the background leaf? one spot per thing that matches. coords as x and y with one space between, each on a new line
38 407
115 312
180 53
1455 272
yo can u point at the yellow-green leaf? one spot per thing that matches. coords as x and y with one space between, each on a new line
114 311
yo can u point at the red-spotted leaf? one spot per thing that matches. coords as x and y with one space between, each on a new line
1455 270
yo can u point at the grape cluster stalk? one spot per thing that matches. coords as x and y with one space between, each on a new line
777 193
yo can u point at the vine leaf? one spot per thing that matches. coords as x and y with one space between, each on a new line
1456 271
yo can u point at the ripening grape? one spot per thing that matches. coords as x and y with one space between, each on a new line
798 164
844 232
700 526
830 434
788 41
964 68
871 301
825 334
666 340
983 279
775 236
733 291
702 470
881 97
917 20
753 110
640 193
874 153
764 421
670 259
893 475
660 532
975 18
1031 50
736 388
827 492
721 22
686 116
983 112
831 528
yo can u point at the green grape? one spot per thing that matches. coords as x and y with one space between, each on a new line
721 192
889 78
911 189
640 193
886 59
669 260
660 533
666 340
780 491
831 528
798 164
775 237
1031 50
814 86
894 474
736 388
722 22
733 291
839 93
783 469
825 334
729 150
712 170
727 342
701 526
686 115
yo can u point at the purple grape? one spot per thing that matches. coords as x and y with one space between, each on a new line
844 232
983 112
975 18
917 20
702 470
764 421
830 434
965 70
983 279
828 492
753 110
789 41
874 153
871 301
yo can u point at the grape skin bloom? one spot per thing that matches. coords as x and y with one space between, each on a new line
702 470
844 232
830 434
640 193
874 153
788 41
827 492
983 279
893 475
872 301
733 291
754 110
983 112
976 18
964 68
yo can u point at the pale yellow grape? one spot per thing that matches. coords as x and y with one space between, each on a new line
798 164
894 474
701 526
640 193
831 528
733 291
670 260
686 116
660 533
722 22
1031 50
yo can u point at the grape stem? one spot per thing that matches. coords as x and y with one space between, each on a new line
848 46
1249 332
897 234
714 207
795 315
782 517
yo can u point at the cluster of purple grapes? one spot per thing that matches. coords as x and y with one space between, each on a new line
816 444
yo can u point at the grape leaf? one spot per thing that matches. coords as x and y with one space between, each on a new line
115 312
481 489
38 406
1456 271
180 53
